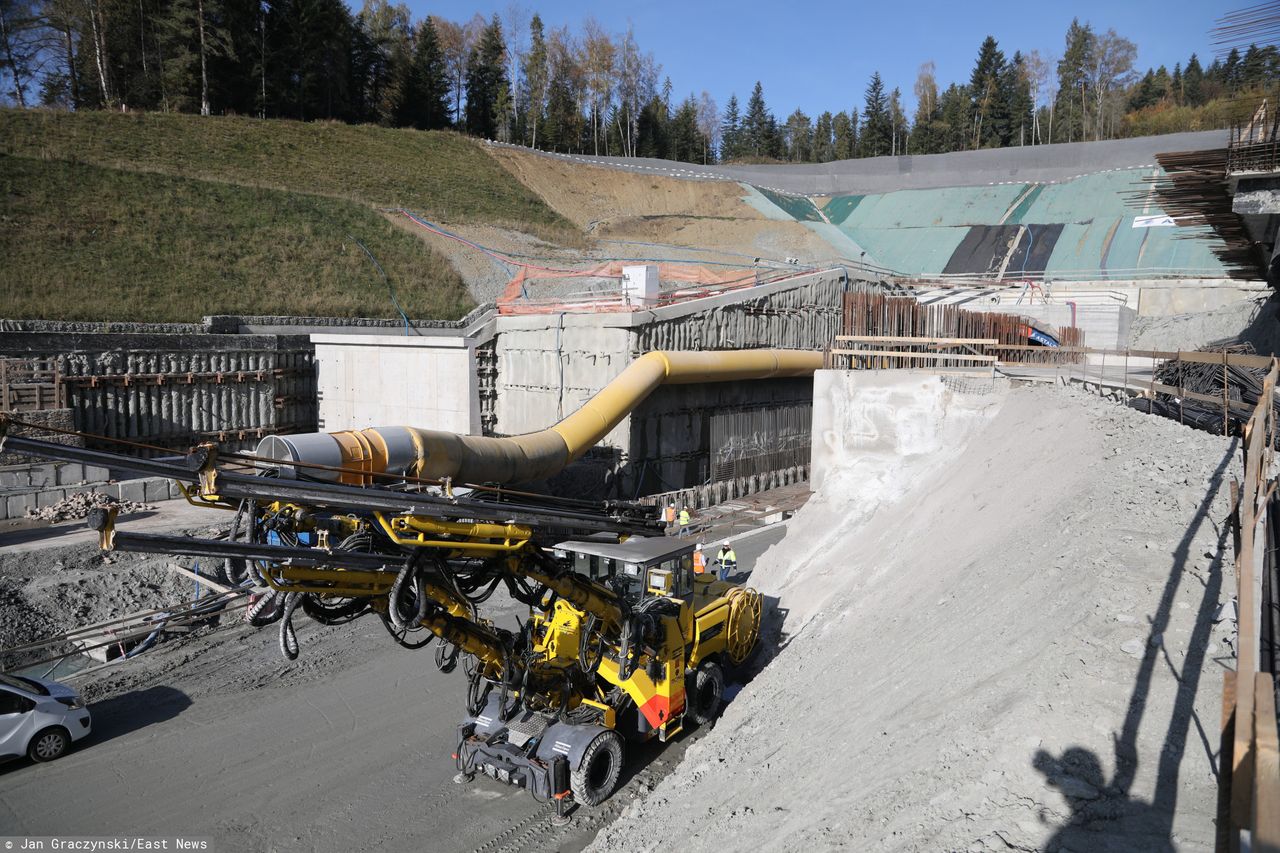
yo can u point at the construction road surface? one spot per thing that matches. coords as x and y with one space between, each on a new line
346 749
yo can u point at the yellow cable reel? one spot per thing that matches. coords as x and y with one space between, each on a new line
743 624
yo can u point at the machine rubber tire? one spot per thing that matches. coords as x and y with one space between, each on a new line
708 693
598 774
49 744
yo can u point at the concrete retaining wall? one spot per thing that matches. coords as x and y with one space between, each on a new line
383 380
549 365
174 390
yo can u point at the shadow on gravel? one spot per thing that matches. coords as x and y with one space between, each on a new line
41 531
122 715
1104 815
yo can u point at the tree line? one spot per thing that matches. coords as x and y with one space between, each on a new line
513 79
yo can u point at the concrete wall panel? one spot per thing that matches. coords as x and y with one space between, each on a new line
384 380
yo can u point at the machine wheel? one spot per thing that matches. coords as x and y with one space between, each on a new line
49 744
708 691
601 767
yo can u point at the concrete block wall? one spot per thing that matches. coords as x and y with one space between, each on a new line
14 503
43 475
547 367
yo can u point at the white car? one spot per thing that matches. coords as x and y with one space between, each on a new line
39 718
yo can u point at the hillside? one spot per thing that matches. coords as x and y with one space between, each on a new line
168 217
443 175
89 243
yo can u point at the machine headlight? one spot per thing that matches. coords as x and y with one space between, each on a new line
72 702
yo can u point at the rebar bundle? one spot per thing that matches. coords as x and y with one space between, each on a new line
1239 388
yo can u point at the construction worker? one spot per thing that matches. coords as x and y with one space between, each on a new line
699 560
728 560
669 514
684 521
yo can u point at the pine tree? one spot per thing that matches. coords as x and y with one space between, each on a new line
954 105
488 95
1016 85
686 140
310 41
426 96
774 144
731 131
990 109
875 139
537 72
1144 94
382 58
1193 82
823 139
1231 71
846 135
654 134
1073 79
19 48
1253 68
900 128
1160 84
799 138
757 138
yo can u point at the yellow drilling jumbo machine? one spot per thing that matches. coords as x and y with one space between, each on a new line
623 640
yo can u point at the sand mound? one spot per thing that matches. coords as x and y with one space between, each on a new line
987 645
1252 321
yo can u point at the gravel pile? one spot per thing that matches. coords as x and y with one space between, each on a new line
1012 649
80 504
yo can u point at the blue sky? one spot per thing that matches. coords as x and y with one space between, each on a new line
819 55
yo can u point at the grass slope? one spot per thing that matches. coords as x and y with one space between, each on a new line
82 242
440 174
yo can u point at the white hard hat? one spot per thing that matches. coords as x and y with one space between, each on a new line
698 546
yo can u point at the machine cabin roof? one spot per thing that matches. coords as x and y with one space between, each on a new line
641 550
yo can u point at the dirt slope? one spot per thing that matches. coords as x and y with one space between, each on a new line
1006 647
624 206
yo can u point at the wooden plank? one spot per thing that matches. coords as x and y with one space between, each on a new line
1243 408
1234 359
1248 579
871 339
1224 833
959 356
209 582
1266 767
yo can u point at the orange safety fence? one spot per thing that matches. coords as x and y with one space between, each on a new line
679 282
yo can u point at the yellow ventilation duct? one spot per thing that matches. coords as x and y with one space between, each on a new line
533 456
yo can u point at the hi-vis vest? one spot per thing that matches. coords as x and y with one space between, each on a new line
684 517
729 556
699 562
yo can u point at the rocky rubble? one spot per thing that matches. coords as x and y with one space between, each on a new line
80 504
